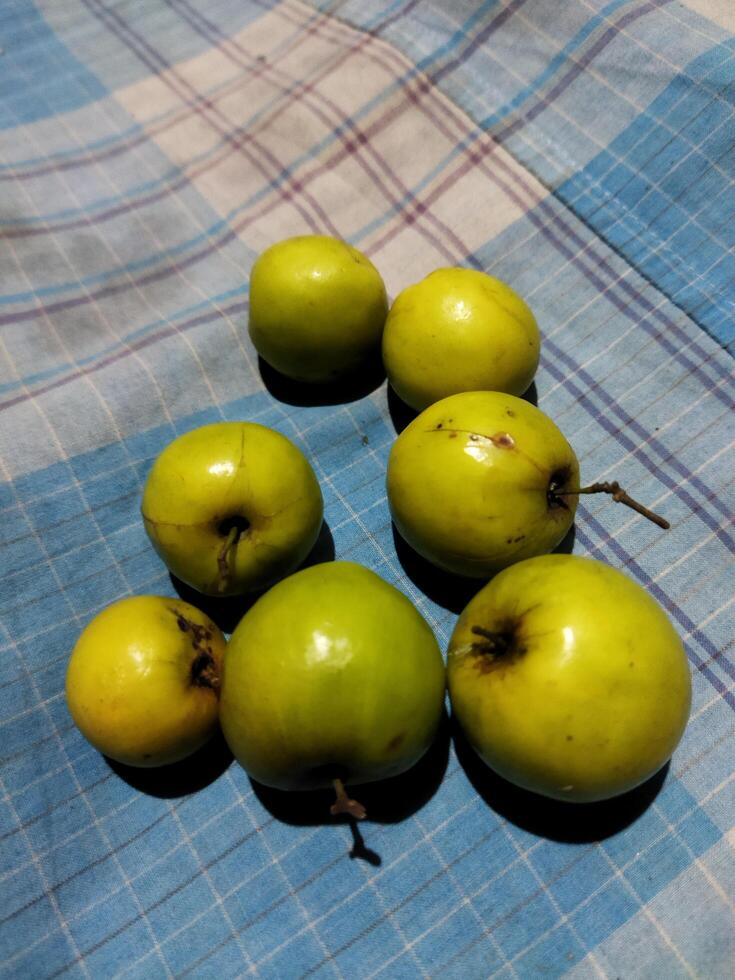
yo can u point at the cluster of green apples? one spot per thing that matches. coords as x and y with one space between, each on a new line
566 676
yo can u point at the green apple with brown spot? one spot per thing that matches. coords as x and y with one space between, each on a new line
142 683
569 679
483 479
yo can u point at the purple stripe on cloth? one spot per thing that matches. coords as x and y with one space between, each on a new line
635 447
308 27
209 31
579 65
153 338
46 309
153 60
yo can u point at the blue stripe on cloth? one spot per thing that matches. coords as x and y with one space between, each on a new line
662 193
39 76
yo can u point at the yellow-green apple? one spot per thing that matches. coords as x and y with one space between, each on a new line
569 679
232 507
317 308
459 330
480 480
332 677
143 680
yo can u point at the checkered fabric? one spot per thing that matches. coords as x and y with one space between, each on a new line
149 150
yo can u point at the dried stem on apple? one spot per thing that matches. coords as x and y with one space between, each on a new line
343 803
620 496
223 558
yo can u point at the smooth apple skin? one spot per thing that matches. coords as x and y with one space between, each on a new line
142 681
333 673
593 693
468 483
317 308
216 473
459 330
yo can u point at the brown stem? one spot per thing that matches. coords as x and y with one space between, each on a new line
343 803
619 496
223 562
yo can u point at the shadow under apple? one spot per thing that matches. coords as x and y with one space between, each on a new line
570 823
227 611
566 545
351 388
531 394
401 414
388 801
183 778
451 592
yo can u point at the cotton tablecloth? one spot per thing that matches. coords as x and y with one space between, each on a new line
149 149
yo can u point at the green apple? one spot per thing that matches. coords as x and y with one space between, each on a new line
332 677
569 679
459 330
480 480
142 683
232 507
317 308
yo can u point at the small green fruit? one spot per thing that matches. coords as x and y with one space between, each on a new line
332 675
232 507
317 308
459 330
479 481
569 679
143 680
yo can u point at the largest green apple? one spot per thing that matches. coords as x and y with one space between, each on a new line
569 679
332 675
480 480
232 507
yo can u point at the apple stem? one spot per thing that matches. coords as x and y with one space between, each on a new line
343 803
223 563
620 496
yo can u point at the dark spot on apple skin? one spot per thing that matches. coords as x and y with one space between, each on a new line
440 425
452 435
520 537
203 671
570 738
631 664
474 437
503 440
395 742
510 412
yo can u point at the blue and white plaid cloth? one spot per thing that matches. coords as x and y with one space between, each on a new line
149 150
